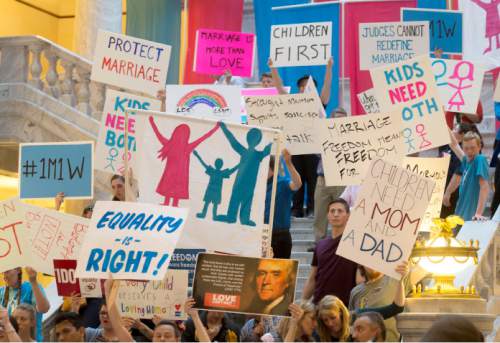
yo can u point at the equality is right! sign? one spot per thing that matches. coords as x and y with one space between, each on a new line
409 89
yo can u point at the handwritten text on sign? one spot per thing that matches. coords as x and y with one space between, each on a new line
384 223
66 280
350 144
434 169
368 100
387 43
14 251
48 168
110 149
408 88
301 44
53 235
130 240
129 62
459 84
295 114
145 299
218 51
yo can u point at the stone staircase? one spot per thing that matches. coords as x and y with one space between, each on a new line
302 239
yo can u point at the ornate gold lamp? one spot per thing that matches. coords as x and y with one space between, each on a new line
443 256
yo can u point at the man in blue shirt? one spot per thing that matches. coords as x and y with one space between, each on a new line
281 239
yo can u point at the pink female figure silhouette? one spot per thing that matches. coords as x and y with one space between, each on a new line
463 71
492 22
174 183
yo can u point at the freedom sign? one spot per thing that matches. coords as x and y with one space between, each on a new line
393 42
445 27
110 148
304 44
48 168
131 240
384 222
129 62
218 51
408 88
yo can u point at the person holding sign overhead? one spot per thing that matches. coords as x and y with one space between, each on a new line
306 164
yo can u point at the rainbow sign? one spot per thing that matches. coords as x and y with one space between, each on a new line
204 96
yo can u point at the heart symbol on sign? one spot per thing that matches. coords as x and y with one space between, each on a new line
177 307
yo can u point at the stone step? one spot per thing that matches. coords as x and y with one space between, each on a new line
302 257
302 234
303 270
301 245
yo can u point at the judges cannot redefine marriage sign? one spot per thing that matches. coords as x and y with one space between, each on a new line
384 223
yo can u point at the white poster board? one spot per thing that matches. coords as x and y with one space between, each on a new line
349 144
310 88
14 248
391 42
369 101
218 102
384 223
496 96
130 62
304 44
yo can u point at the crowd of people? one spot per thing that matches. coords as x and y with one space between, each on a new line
341 300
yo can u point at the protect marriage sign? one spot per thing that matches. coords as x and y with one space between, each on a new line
244 284
393 42
459 84
384 222
131 240
48 168
303 44
129 62
349 144
110 148
145 299
218 51
409 89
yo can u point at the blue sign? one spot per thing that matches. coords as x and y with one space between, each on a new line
445 27
185 259
46 169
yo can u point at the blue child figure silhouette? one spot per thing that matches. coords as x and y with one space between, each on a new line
213 192
246 178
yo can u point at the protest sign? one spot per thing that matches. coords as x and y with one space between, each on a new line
145 299
130 62
244 284
295 114
218 51
384 223
304 44
53 235
131 240
369 101
254 92
310 88
388 43
434 169
459 84
217 169
14 251
48 168
185 259
349 145
496 96
217 102
409 89
445 27
110 148
91 287
66 280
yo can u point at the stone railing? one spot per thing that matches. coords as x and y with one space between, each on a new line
486 278
53 70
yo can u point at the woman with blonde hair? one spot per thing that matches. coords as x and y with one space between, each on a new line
300 327
333 320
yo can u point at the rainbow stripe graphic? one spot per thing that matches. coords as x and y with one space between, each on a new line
202 96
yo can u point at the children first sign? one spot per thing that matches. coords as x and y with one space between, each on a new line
129 62
130 240
110 150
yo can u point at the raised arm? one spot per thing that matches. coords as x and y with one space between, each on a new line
200 331
200 159
296 182
9 330
114 316
197 142
42 303
327 83
162 96
455 147
160 137
297 312
232 140
278 83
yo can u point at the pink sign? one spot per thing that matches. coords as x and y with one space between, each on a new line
218 51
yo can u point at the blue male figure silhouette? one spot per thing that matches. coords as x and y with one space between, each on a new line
213 193
246 178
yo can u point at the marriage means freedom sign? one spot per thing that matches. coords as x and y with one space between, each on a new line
131 240
129 62
301 44
388 43
384 223
218 51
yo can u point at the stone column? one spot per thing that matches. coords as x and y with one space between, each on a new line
92 15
